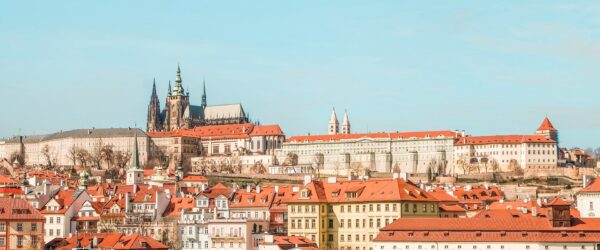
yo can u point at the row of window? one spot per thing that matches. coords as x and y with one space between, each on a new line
473 247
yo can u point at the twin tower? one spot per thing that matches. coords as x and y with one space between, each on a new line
334 125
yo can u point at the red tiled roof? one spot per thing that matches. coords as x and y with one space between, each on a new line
241 198
546 125
176 205
285 242
383 135
18 209
267 130
498 226
558 202
452 208
592 187
365 190
228 131
193 178
6 180
11 190
64 198
502 139
113 241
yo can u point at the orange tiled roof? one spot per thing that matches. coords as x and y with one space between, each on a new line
546 125
383 135
6 180
285 242
193 178
113 241
363 190
242 198
176 205
64 198
452 208
592 187
502 139
498 225
18 209
228 131
558 202
281 198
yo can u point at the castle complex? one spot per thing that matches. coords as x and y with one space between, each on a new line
179 113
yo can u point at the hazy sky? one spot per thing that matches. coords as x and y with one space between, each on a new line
489 67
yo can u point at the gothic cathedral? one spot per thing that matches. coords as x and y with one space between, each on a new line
179 113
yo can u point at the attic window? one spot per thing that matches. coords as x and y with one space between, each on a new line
334 194
351 195
304 194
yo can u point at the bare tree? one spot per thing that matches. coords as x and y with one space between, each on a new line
96 155
121 158
108 155
47 155
83 156
16 156
72 155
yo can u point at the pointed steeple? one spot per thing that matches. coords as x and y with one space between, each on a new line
203 93
334 126
346 124
178 89
154 87
169 91
135 158
546 125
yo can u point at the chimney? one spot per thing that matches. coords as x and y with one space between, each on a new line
46 187
276 189
539 202
331 179
462 133
127 209
395 176
534 211
135 188
234 187
258 189
203 187
94 242
269 238
307 179
248 188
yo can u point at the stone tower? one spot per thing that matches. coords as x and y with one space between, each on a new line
346 124
154 121
548 130
177 102
135 174
334 125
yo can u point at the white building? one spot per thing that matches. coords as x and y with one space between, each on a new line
59 211
588 198
508 152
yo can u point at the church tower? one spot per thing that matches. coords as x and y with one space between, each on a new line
346 124
334 125
154 121
135 174
548 130
177 102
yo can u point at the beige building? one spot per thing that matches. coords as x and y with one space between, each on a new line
57 147
348 214
508 152
21 225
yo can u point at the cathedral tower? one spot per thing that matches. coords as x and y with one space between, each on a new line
334 125
177 103
154 121
346 124
135 174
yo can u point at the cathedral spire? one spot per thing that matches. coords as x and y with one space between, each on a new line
154 87
169 91
178 89
203 93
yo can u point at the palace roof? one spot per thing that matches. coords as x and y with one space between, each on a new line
228 131
502 139
382 135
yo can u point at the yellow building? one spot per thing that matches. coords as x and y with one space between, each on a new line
348 214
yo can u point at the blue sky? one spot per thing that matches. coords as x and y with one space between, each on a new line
486 67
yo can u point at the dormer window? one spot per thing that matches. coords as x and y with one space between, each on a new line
305 193
351 195
334 194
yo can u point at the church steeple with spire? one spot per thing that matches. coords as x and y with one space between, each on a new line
346 124
154 121
334 125
135 174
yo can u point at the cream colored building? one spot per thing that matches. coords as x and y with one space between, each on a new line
61 143
342 154
508 152
348 214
